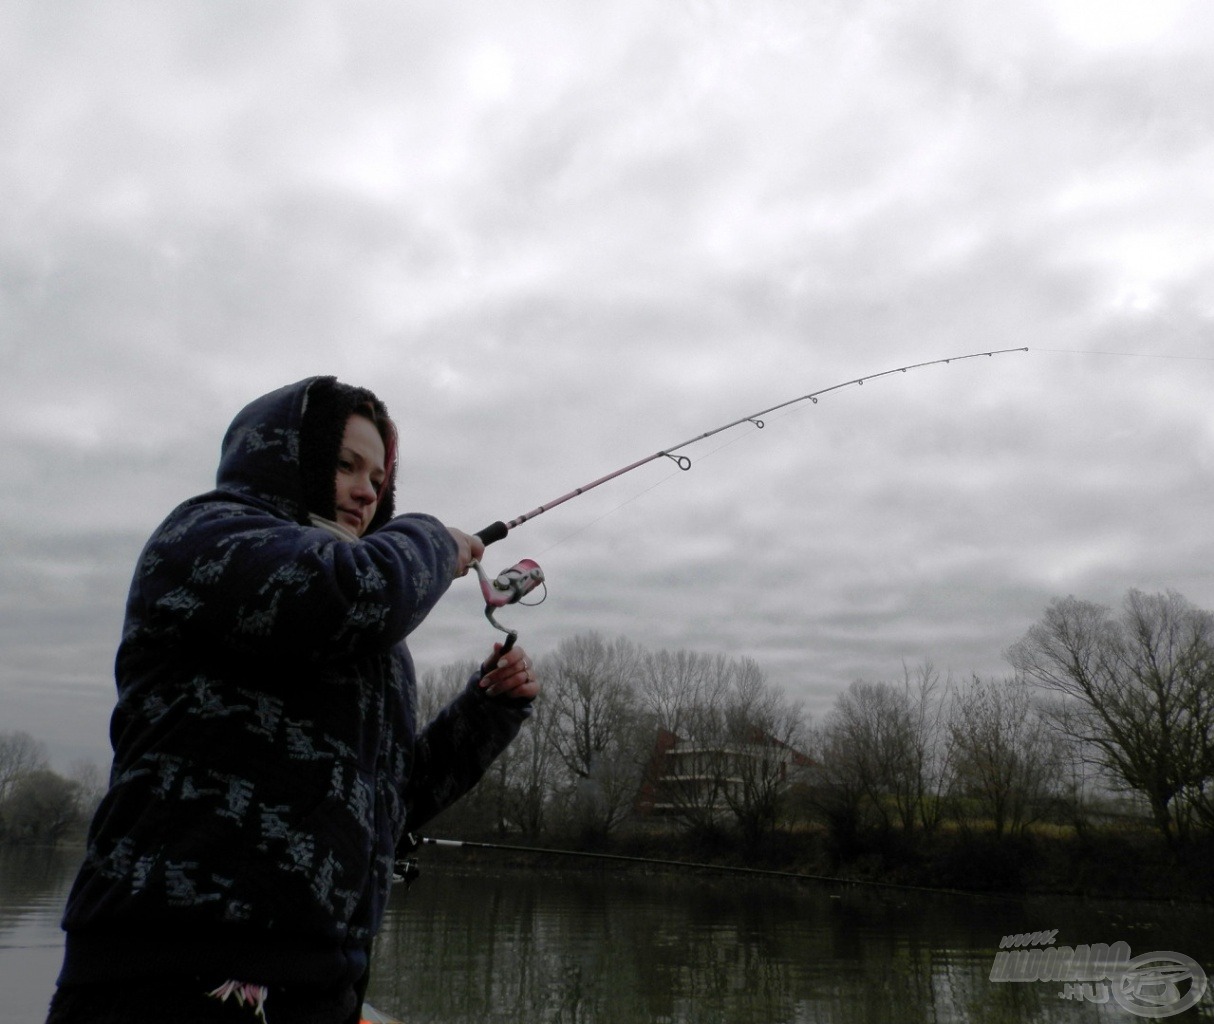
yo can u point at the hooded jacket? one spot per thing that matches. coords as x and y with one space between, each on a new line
266 754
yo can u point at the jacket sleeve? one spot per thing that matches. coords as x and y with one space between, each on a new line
454 751
231 575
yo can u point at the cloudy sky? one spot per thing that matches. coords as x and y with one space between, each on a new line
558 238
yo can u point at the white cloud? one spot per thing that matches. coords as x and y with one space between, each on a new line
1105 24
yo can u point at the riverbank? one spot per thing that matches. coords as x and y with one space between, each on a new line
1113 864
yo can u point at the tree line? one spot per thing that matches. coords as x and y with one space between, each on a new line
38 805
1104 713
1103 708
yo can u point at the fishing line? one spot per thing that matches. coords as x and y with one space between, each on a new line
496 531
666 479
652 487
611 511
407 868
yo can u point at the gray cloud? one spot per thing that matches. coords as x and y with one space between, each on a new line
556 242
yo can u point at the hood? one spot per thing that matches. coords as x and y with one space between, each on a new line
281 449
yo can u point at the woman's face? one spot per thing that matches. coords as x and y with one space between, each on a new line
360 474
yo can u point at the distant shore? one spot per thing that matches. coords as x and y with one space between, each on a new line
1115 865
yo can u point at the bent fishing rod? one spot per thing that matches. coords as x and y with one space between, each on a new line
515 583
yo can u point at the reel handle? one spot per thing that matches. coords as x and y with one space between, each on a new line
511 636
492 533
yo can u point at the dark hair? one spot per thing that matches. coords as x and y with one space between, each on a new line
328 406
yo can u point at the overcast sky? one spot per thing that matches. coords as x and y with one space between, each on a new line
558 238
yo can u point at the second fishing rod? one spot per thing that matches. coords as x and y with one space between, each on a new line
524 577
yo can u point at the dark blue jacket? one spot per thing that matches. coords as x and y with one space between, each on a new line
266 754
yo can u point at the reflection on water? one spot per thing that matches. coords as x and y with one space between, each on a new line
588 947
591 948
33 886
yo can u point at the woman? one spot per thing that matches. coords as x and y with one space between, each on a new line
266 753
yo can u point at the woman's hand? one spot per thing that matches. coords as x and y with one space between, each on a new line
471 549
509 675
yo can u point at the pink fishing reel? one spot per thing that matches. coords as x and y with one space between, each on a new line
510 586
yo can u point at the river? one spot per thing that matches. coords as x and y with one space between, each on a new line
508 944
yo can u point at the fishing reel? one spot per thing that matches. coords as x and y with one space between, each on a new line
510 586
405 867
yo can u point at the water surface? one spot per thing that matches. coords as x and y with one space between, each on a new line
508 944
601 946
33 887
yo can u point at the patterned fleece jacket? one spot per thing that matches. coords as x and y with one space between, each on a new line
266 754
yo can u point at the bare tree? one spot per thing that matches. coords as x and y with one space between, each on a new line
593 717
437 687
765 734
90 782
20 755
930 751
1007 761
881 746
527 775
685 694
837 786
1137 690
677 686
